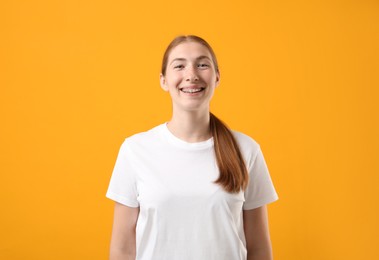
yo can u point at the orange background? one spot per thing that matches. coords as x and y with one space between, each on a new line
77 77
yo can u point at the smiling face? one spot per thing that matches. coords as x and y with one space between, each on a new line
190 76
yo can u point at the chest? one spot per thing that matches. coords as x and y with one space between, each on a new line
185 179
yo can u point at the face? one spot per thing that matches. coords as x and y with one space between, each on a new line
190 76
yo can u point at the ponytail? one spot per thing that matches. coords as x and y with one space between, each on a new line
233 172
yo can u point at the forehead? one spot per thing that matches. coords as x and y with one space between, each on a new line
189 50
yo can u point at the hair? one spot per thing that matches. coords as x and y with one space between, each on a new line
233 172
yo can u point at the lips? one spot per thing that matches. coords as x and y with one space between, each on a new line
190 90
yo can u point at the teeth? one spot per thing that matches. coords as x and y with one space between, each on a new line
191 90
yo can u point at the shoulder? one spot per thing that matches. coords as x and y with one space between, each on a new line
142 138
245 141
249 147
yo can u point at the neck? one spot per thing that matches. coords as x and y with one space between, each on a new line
190 126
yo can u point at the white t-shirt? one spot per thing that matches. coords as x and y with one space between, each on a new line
184 215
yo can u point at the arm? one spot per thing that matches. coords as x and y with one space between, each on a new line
257 234
123 241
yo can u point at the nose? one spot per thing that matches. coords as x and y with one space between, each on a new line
191 74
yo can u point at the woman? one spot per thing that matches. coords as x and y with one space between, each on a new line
190 188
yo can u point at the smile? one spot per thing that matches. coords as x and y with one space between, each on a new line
191 90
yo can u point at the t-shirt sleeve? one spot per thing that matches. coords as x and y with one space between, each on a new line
260 190
122 187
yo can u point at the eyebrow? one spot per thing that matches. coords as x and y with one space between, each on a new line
198 58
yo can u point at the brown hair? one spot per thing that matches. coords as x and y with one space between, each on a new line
233 172
186 38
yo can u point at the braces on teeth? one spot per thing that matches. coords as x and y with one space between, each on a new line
191 90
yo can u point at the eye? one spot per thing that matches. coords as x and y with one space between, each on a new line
203 65
179 66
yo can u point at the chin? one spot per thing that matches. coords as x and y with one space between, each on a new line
193 107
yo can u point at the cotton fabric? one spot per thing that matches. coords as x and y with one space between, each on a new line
184 215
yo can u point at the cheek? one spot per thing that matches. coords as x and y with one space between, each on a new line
173 79
208 74
210 79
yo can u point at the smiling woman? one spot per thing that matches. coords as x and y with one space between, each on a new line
190 72
190 188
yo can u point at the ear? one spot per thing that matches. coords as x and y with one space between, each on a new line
217 79
162 80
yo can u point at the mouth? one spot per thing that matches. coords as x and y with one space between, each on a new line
191 90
